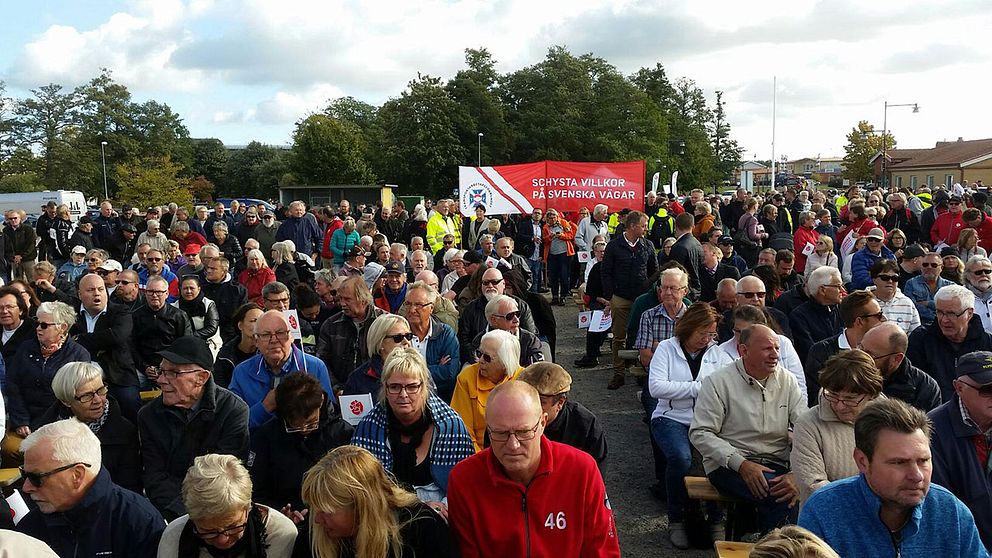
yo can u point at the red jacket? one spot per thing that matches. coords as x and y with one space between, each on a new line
325 249
563 512
192 237
799 240
253 282
984 231
946 228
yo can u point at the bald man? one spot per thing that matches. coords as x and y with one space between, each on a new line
565 504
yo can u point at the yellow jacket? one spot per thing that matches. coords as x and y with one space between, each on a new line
437 227
469 401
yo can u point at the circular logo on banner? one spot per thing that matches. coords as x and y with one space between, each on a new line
475 194
357 407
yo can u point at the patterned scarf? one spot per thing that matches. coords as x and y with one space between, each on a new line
96 425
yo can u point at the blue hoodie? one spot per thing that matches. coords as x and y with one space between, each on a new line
861 264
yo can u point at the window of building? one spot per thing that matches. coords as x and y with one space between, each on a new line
949 180
912 181
898 182
930 180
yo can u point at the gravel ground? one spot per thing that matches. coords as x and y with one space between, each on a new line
641 520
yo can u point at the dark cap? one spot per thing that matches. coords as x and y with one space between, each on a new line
126 207
670 196
395 267
85 219
356 251
51 204
955 199
947 251
189 350
913 251
976 365
472 257
128 227
727 240
940 196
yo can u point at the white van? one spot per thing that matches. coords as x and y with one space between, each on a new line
32 202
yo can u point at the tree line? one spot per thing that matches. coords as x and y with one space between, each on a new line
566 107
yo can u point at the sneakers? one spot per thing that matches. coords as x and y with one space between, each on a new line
676 534
587 362
717 532
617 381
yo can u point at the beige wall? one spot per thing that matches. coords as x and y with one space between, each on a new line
982 171
939 175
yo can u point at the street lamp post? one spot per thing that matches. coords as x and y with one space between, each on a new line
479 161
103 155
885 130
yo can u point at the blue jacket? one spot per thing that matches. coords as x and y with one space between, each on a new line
29 380
861 264
252 381
303 231
342 243
443 343
956 465
845 515
108 521
917 291
450 444
367 378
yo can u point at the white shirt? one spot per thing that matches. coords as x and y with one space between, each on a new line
8 333
421 346
91 320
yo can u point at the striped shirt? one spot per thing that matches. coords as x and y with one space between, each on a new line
900 310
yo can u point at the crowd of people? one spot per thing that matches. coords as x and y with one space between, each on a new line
174 381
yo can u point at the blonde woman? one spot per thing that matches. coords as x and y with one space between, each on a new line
222 520
357 510
791 541
823 254
968 245
498 361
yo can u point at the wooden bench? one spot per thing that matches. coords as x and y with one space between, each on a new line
9 476
147 396
700 488
730 549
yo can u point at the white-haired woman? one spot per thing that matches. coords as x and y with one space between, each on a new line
256 275
82 394
412 431
416 225
387 332
221 519
227 244
154 237
498 361
284 265
30 373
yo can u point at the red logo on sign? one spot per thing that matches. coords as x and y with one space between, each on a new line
292 322
357 407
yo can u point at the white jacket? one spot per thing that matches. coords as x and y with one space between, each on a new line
670 381
727 353
586 231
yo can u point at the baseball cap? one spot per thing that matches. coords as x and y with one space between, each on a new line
356 251
189 350
948 251
85 219
955 199
395 267
111 265
128 227
548 378
126 207
977 365
876 233
192 249
79 250
913 251
727 240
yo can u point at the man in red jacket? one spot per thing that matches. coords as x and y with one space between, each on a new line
975 219
948 226
526 495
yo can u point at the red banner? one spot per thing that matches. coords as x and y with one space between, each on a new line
562 185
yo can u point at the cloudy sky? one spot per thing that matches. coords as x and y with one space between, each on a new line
247 70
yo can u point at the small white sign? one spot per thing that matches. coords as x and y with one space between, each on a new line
294 324
585 257
503 262
584 319
491 262
18 507
600 322
355 407
808 249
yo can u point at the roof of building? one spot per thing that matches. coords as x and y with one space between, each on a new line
945 154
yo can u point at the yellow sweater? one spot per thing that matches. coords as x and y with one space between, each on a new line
469 401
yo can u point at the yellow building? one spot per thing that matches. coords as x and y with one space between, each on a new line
947 163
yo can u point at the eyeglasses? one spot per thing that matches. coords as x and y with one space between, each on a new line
123 282
708 334
520 435
277 300
229 532
946 314
888 278
46 325
954 203
88 396
752 295
153 260
484 357
268 336
509 316
874 239
94 260
492 282
156 293
449 241
984 391
37 479
845 401
982 271
308 427
924 264
172 374
878 316
396 389
399 337
419 306
838 287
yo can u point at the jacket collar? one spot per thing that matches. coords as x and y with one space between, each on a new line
498 476
84 512
873 503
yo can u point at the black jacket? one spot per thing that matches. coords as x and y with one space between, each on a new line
228 358
108 521
708 281
24 333
912 385
105 230
523 241
791 299
342 344
110 344
20 242
906 221
544 318
172 437
627 271
530 348
578 427
689 252
932 352
118 443
123 249
79 238
473 321
278 460
231 249
153 331
228 296
818 355
811 323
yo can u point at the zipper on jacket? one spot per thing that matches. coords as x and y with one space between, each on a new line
896 537
523 507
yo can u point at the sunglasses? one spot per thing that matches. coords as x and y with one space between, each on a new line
509 316
984 391
153 259
46 325
892 278
37 479
399 337
931 264
483 357
123 282
492 282
982 272
877 316
752 295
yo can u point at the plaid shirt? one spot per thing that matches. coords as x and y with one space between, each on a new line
656 326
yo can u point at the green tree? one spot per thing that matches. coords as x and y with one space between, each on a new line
863 144
210 160
152 181
7 128
42 120
255 171
420 149
21 182
728 153
480 109
328 151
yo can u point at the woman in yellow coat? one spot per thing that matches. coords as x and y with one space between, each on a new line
498 361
